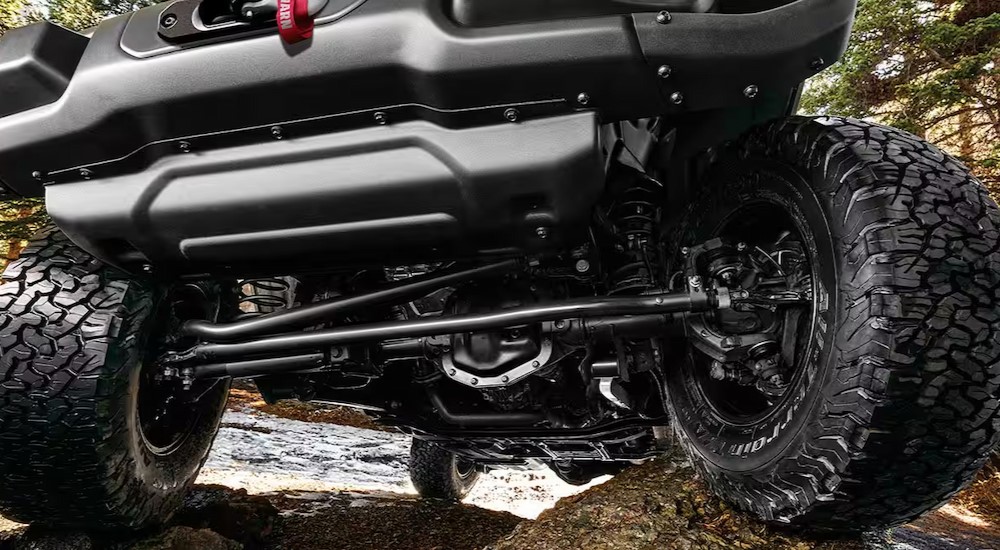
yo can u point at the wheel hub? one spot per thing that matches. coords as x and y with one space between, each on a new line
751 351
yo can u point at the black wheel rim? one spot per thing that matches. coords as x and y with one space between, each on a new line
167 411
760 224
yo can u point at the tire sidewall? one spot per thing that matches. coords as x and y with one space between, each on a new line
755 448
158 480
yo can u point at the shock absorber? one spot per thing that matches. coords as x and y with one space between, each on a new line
635 216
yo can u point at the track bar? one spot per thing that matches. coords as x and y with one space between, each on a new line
326 310
678 302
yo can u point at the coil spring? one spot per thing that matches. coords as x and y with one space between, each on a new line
265 295
635 217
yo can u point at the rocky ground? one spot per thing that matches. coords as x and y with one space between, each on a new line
301 477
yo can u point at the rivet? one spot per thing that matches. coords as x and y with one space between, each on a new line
677 98
511 114
665 71
276 132
663 17
381 118
184 146
751 91
583 98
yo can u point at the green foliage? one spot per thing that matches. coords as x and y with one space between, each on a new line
931 67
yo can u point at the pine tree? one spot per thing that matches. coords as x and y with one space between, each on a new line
931 67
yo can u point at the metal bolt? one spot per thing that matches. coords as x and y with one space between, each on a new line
37 175
542 233
535 364
685 251
583 98
511 114
663 17
86 174
169 20
582 266
474 381
677 98
659 300
560 324
817 64
665 71
184 146
276 132
695 282
751 91
452 372
249 14
741 246
146 268
381 118
505 379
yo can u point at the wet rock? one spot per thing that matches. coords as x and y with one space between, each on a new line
187 538
659 505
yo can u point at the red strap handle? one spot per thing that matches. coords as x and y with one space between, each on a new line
294 22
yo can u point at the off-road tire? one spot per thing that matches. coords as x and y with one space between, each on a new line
435 472
903 408
71 346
